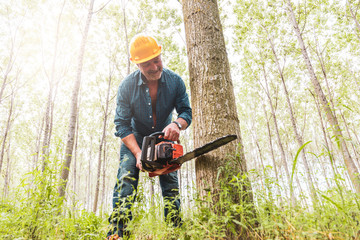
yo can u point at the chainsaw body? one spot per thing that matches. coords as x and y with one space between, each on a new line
156 158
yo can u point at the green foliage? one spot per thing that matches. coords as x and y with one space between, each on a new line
336 216
37 212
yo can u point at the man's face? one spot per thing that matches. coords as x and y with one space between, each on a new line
152 69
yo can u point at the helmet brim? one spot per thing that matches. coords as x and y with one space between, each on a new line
156 53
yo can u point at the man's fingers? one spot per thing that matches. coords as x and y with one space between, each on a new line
171 134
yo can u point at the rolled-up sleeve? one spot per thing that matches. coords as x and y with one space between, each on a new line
182 104
123 113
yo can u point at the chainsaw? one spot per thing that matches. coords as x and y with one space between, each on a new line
166 157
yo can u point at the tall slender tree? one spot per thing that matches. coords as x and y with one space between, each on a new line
102 141
74 106
50 101
298 137
330 114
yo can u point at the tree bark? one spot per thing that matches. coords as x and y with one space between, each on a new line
211 86
350 165
212 95
74 108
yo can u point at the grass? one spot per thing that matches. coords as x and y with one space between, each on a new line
38 213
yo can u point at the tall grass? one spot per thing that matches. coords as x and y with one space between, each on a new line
37 212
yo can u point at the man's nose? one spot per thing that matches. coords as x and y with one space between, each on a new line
153 66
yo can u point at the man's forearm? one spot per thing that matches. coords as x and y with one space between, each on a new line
131 143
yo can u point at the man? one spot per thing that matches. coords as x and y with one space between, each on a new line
145 103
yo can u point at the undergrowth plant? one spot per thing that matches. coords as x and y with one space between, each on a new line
335 215
35 211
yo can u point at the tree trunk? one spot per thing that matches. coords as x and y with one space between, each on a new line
8 170
353 146
103 137
271 145
277 186
323 129
75 165
74 108
123 3
88 179
353 15
8 69
212 95
279 141
48 119
7 128
350 165
104 170
293 122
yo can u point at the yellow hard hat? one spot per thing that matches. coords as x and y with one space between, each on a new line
143 48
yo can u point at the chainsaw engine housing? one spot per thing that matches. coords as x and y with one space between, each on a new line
155 157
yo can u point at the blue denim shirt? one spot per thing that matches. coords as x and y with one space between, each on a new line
134 111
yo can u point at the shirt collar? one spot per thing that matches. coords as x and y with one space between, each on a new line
141 82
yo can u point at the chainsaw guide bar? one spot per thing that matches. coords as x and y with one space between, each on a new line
204 149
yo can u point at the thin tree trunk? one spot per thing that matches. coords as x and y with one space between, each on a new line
273 155
271 144
104 170
8 69
281 147
46 141
103 137
293 122
350 165
356 153
273 113
74 108
123 3
88 178
75 164
329 153
8 170
353 15
7 129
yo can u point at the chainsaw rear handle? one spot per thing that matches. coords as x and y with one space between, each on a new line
149 141
156 134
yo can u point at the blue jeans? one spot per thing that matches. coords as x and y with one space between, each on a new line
125 191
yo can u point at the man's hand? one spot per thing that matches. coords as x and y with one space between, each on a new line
138 161
172 132
131 143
